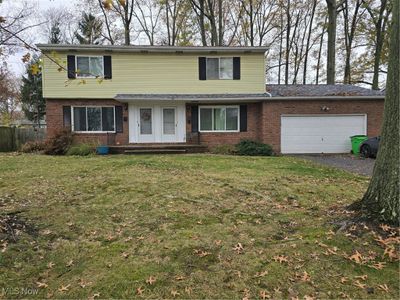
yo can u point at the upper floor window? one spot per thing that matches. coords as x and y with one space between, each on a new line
219 67
89 66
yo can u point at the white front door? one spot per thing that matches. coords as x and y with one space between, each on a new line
320 133
145 125
157 123
169 124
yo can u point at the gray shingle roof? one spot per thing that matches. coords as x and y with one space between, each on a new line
192 97
148 48
322 90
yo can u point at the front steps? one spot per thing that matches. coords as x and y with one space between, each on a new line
157 149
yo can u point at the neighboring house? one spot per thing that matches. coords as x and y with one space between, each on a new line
206 95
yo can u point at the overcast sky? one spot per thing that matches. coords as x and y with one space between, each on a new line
8 6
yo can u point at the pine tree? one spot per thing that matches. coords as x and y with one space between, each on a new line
33 104
90 30
55 34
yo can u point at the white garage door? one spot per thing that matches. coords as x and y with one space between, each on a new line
320 133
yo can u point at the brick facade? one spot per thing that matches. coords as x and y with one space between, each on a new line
272 111
54 119
212 139
263 119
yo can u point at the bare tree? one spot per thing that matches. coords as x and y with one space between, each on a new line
380 18
147 13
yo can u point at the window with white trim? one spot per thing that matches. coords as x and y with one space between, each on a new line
219 67
219 118
89 66
93 118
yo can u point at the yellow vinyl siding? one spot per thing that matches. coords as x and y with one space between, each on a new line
140 73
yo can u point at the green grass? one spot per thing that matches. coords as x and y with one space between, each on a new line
178 219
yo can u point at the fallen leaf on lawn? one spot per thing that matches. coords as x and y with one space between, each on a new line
46 231
238 248
129 238
264 295
281 259
385 227
95 295
363 277
139 290
246 294
356 257
83 283
201 253
357 283
125 254
51 265
261 274
378 266
70 263
179 277
188 290
174 293
343 295
384 287
305 277
140 238
151 280
42 285
64 288
218 242
390 252
343 280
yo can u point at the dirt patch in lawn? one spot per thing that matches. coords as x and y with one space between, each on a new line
12 225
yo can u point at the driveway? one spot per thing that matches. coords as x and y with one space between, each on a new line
348 162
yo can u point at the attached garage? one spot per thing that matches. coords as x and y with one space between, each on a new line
320 133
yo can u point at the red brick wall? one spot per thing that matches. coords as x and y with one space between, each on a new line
54 119
263 119
211 139
272 111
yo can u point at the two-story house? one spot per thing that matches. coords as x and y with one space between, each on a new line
209 95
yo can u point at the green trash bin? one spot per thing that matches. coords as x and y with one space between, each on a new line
356 141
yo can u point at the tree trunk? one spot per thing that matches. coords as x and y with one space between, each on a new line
287 53
321 43
201 23
314 5
381 201
331 63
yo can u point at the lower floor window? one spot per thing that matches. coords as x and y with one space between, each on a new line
219 118
93 118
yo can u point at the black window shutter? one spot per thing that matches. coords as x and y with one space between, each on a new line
107 67
195 118
236 68
119 119
71 66
67 116
202 68
243 117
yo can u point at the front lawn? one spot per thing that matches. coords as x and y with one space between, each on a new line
187 226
